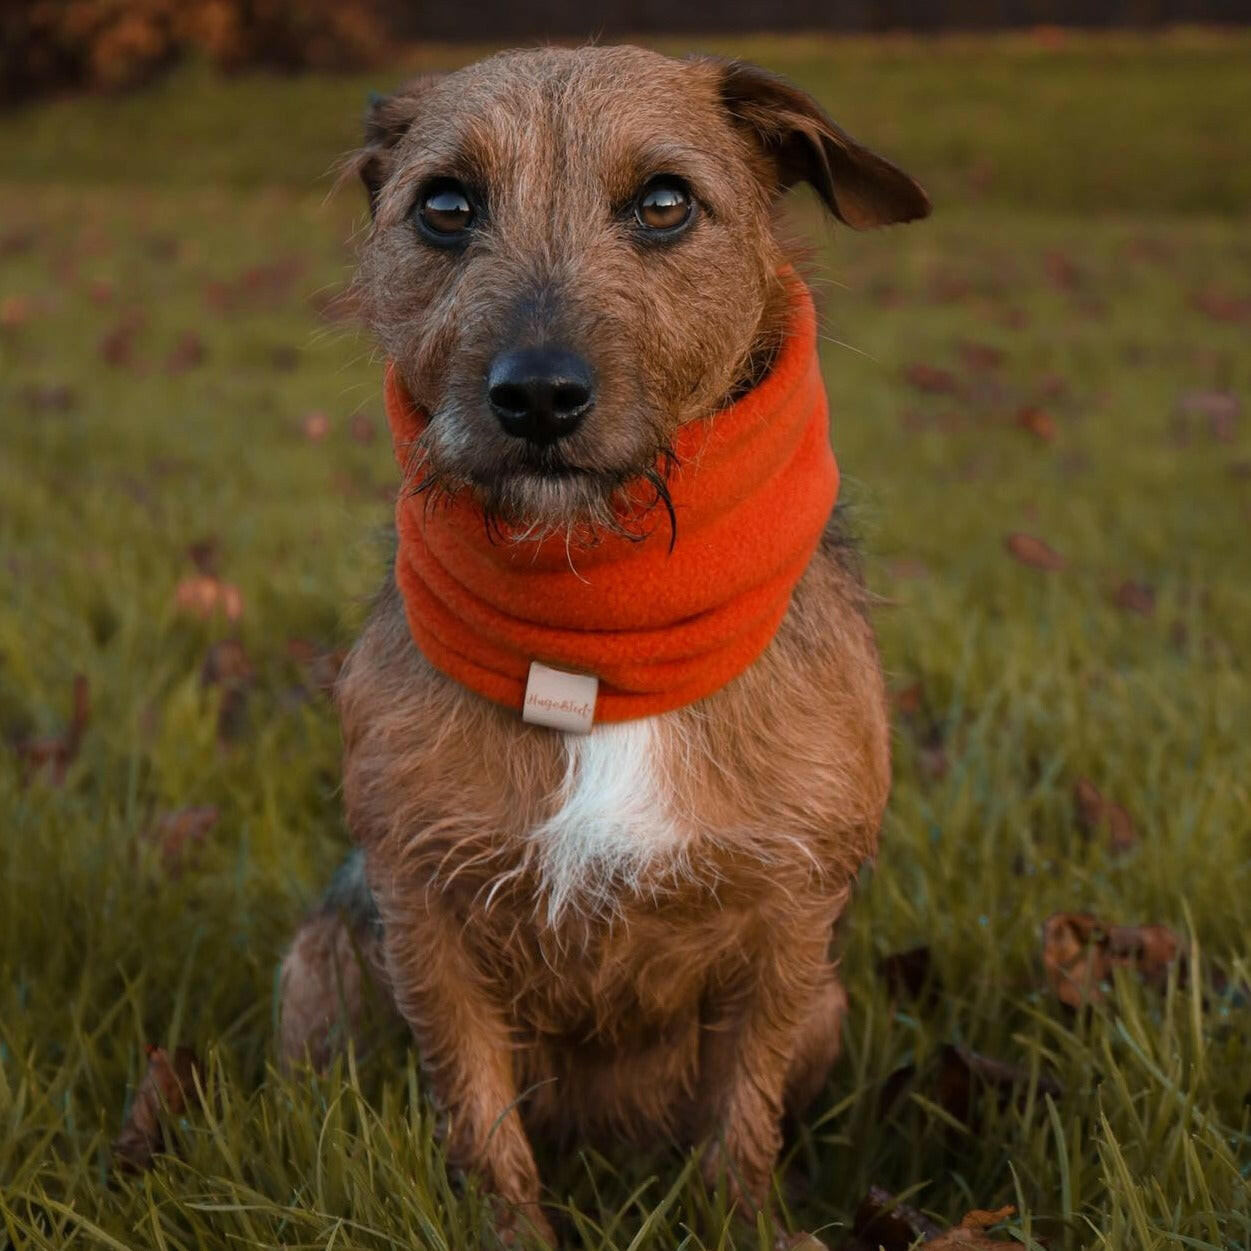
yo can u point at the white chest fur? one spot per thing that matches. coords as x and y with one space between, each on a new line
614 817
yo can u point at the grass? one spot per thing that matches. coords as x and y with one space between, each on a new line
1085 252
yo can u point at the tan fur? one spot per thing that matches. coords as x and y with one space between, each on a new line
701 997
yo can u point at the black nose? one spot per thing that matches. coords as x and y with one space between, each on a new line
541 393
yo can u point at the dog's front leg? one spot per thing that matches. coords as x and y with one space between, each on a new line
466 1052
756 1034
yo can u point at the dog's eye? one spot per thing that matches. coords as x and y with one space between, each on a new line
664 205
444 210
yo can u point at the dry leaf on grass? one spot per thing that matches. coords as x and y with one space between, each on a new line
50 757
164 1090
1034 552
1136 597
1095 814
882 1224
186 354
1080 952
205 596
932 379
1038 422
964 1071
179 834
226 662
909 975
315 426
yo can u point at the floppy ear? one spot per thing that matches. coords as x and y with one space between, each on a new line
387 119
858 186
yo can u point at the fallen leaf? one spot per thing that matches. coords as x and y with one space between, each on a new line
186 354
205 596
1095 814
18 240
1137 597
1035 553
204 555
315 426
908 700
932 379
980 357
100 292
969 1234
1221 306
1080 953
117 345
15 311
1062 270
164 1091
225 663
1038 422
53 397
51 757
177 835
909 975
883 1222
361 428
963 1072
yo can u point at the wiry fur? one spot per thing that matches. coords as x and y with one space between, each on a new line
628 934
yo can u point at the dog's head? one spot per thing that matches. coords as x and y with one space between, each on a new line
572 254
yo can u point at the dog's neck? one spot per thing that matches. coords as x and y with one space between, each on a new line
658 625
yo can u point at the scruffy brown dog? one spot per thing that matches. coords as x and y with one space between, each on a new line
626 932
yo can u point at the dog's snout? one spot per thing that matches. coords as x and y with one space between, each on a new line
540 394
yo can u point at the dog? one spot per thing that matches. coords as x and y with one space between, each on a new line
621 926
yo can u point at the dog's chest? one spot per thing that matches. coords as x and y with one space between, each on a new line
613 819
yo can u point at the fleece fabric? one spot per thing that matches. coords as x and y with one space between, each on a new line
660 626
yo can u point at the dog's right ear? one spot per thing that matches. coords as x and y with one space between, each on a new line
387 120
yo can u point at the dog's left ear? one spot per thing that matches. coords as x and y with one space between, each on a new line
804 145
387 121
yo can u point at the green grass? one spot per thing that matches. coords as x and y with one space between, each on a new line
1034 678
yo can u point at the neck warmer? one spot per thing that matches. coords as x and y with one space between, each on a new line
660 626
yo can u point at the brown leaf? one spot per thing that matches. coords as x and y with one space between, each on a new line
1062 270
980 357
101 293
1095 814
910 975
882 1222
963 1072
1136 597
164 1090
179 834
204 554
932 379
1221 306
18 240
54 397
1038 422
117 345
226 663
969 1233
1080 953
205 596
15 311
187 353
315 426
908 701
1035 553
50 758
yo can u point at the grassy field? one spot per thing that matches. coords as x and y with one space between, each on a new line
1061 352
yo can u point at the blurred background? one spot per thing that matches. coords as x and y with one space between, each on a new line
1038 400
